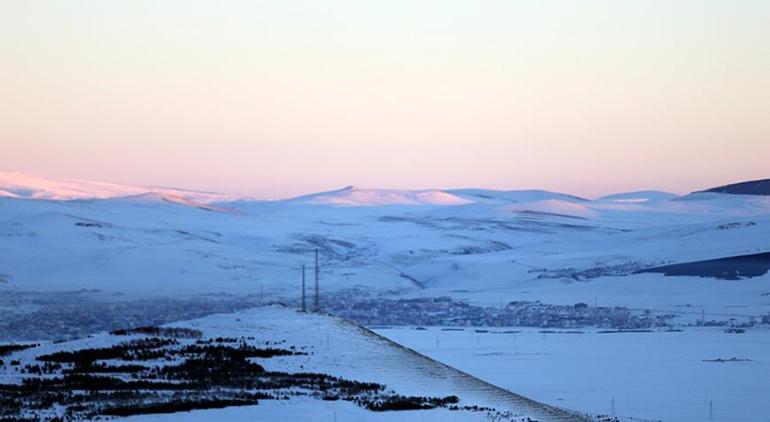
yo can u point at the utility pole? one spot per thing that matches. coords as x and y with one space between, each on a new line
317 305
304 309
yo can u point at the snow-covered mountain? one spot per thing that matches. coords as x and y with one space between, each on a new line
21 185
639 196
530 195
354 196
752 187
61 241
434 242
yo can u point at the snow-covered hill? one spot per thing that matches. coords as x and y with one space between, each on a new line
480 247
21 185
752 187
640 196
515 244
354 196
290 354
531 195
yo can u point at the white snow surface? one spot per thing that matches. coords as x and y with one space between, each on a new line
354 196
498 247
482 246
21 185
334 347
661 376
640 196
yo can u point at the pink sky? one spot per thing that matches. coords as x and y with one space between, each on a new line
274 99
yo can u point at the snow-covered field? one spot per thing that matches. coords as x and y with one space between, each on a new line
328 345
668 376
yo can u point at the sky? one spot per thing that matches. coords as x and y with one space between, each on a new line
277 98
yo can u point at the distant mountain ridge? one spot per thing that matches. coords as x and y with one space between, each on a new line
25 186
355 196
514 196
639 196
21 185
752 187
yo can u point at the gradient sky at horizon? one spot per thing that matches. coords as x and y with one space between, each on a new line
279 98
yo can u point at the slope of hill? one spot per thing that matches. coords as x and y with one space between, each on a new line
752 187
158 243
727 268
354 196
20 185
246 359
163 197
527 195
639 196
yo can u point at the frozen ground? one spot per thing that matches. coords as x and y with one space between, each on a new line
668 376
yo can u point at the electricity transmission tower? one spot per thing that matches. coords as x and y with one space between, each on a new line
317 304
304 309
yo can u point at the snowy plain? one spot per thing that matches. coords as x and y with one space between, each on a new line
669 376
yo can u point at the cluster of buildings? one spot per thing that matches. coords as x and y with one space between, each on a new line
77 314
33 316
444 311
